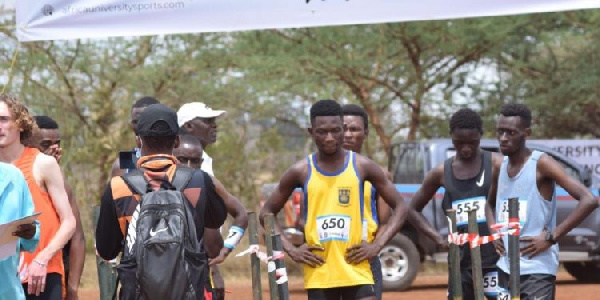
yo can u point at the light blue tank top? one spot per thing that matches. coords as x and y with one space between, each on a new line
535 213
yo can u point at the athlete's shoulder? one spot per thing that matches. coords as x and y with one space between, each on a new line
497 159
362 160
367 168
299 170
439 168
435 176
301 164
546 163
43 160
46 167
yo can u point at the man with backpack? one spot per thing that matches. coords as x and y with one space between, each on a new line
156 215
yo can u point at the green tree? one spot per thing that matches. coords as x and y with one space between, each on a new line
554 70
400 73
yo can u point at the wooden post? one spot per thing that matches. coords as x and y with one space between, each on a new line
476 257
514 253
280 272
454 260
254 261
270 227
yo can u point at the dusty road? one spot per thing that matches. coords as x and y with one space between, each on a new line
425 287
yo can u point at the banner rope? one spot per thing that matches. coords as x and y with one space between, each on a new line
12 65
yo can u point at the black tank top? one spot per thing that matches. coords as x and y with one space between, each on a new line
465 195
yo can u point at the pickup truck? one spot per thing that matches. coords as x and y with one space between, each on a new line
402 256
410 161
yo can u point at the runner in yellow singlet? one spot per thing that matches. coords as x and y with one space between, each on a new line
336 254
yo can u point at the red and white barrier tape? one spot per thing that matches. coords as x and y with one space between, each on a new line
262 255
280 274
477 240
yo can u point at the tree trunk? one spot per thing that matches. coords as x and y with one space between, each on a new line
415 116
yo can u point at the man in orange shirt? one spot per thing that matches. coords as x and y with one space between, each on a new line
42 271
47 139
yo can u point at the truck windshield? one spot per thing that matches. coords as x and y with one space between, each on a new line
406 163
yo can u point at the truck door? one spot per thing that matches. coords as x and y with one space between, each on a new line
409 162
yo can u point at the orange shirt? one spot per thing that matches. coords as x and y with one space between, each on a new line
49 220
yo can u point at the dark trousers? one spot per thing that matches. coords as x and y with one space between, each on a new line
52 290
533 286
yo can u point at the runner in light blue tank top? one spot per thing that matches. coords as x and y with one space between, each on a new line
535 214
532 177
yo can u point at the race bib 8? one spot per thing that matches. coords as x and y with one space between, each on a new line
490 284
462 208
333 228
503 213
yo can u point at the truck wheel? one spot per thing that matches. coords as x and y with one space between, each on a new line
400 261
584 271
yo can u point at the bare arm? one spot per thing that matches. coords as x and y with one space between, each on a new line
288 182
77 250
491 199
237 211
52 178
234 207
291 179
432 182
549 168
385 188
383 210
215 242
47 172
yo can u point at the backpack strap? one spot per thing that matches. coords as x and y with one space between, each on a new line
203 200
136 181
182 177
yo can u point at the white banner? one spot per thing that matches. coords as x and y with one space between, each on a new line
71 19
585 152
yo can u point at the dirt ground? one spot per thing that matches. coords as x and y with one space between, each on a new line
424 287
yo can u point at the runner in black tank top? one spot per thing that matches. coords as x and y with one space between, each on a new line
463 195
467 178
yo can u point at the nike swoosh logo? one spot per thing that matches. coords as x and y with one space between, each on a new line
480 181
539 298
153 233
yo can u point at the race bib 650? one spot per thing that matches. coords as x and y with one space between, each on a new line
333 228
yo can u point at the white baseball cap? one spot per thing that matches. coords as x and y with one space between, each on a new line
190 111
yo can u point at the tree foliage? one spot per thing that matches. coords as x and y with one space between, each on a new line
409 77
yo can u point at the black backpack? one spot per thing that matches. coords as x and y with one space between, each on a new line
162 257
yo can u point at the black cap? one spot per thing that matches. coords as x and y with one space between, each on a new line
154 114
